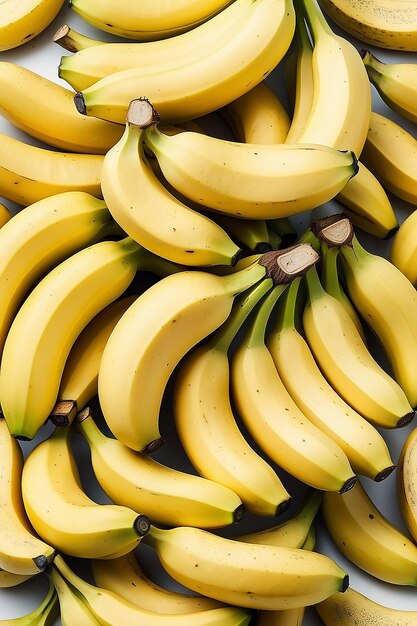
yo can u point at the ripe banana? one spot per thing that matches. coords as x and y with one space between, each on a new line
188 91
39 238
354 608
406 484
148 212
403 253
363 445
346 362
154 334
41 335
125 577
251 575
21 20
111 609
207 427
258 116
387 300
8 580
62 513
5 215
252 181
390 152
382 23
46 111
146 21
21 552
29 174
73 611
368 539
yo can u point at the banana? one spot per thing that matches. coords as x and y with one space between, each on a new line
390 152
387 300
146 21
21 552
406 484
165 495
150 213
346 362
251 575
41 335
5 215
29 174
258 116
8 580
187 91
154 334
125 577
46 111
354 608
382 23
111 609
207 427
403 252
73 611
64 515
368 539
253 234
21 20
363 445
39 238
289 617
252 181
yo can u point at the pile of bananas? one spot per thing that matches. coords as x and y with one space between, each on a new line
153 272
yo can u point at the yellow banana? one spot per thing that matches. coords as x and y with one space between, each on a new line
246 574
39 238
21 552
188 91
21 20
41 335
387 300
29 174
368 539
153 335
46 111
390 152
7 579
150 213
73 611
5 214
111 609
363 445
346 362
125 577
207 427
62 513
354 608
146 21
406 483
403 253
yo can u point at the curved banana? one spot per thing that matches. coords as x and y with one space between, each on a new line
258 116
390 152
148 212
21 20
207 427
73 611
387 300
8 580
365 448
113 610
125 577
377 22
21 552
406 483
29 174
46 111
346 362
153 335
62 513
5 214
368 539
354 608
403 252
48 323
166 496
277 578
188 91
146 21
39 238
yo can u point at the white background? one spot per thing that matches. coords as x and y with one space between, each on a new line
42 56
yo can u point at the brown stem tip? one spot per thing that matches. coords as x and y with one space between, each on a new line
142 525
63 413
79 103
335 230
283 266
141 113
83 415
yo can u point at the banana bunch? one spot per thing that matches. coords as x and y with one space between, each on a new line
21 20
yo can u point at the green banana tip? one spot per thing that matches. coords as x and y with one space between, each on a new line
141 113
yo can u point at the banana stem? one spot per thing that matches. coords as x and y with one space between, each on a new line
355 252
85 424
315 18
287 309
310 508
237 282
283 227
310 237
274 239
314 286
72 41
329 272
256 332
374 67
69 575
